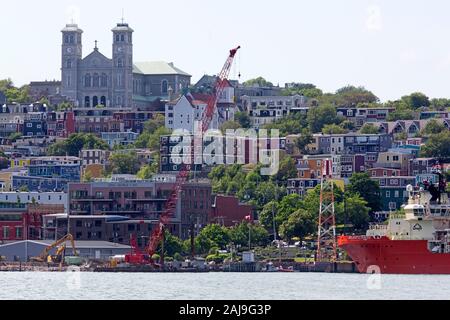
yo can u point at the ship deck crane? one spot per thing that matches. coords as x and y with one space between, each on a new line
170 206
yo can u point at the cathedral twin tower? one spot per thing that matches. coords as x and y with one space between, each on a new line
97 80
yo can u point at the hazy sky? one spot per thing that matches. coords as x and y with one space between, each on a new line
390 47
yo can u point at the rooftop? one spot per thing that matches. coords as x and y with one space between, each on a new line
71 27
158 68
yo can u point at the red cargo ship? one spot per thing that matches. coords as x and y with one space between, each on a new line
416 242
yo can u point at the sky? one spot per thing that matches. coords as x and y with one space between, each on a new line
390 47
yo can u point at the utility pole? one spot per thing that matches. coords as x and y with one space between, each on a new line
192 241
249 237
273 220
163 240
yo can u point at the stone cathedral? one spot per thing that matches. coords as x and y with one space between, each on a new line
117 82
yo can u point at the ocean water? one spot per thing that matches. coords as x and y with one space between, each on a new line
219 286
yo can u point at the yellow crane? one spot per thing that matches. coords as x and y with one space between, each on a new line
44 256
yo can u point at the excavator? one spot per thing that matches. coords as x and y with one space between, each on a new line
45 257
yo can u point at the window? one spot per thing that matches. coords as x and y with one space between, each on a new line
18 232
392 205
122 37
103 101
87 102
96 82
87 80
98 223
120 63
396 194
388 194
69 64
95 101
104 80
117 38
29 125
5 232
164 87
79 224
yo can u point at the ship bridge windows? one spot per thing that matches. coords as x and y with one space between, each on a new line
440 212
419 212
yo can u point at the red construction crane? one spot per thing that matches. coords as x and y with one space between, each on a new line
170 206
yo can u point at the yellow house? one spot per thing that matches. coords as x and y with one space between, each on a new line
19 163
5 181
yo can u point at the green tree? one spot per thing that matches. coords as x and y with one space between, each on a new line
230 125
6 84
354 210
148 171
239 235
347 125
211 236
321 116
153 124
305 139
287 170
369 128
306 89
437 146
19 95
434 127
243 119
333 129
294 123
300 224
75 143
124 163
440 104
353 96
260 81
24 188
15 136
172 245
368 189
416 100
280 210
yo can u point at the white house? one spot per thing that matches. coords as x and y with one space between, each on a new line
182 113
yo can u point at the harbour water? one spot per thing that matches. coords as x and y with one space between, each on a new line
220 286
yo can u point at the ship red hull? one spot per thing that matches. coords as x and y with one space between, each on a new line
394 256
